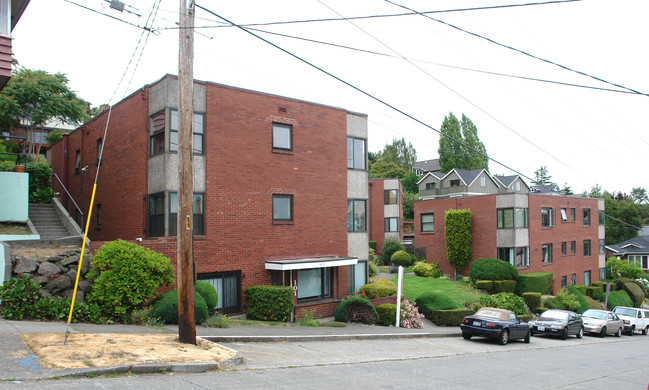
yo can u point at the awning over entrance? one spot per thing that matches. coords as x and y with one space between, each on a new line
308 263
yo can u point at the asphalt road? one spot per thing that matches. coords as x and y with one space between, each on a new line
442 363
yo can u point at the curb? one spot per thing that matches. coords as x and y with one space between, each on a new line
302 338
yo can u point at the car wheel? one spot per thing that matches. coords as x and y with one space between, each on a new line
645 330
632 331
564 335
619 332
603 332
504 337
527 337
581 333
466 336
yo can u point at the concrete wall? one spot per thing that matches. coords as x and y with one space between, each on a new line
14 196
358 242
5 262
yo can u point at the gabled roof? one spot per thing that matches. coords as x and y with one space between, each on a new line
506 181
436 175
550 188
427 165
635 245
468 176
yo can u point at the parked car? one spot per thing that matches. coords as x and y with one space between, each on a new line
602 322
561 323
633 318
502 325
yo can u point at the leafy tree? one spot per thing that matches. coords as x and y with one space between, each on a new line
372 158
399 153
457 226
409 182
36 97
542 177
459 145
625 221
567 190
639 195
595 192
54 136
386 169
409 199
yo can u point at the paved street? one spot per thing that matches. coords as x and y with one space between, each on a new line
454 363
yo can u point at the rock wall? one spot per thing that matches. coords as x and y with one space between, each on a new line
56 274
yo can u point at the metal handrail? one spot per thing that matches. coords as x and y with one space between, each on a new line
66 191
23 155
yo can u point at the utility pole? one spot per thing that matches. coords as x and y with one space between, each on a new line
186 322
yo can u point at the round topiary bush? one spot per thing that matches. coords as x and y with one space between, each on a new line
387 313
390 246
635 293
427 270
401 258
492 269
378 290
208 292
356 309
376 279
166 308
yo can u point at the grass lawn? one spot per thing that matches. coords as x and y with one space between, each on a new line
13 228
414 286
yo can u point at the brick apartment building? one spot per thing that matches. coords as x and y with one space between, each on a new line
274 201
534 232
385 211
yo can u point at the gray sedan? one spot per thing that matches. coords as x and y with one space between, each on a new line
602 322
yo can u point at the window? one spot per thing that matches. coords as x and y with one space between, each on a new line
511 218
587 278
282 136
601 246
564 246
518 186
546 217
99 143
518 257
228 286
427 222
573 246
640 260
564 281
77 162
391 196
602 218
98 216
356 215
547 253
483 181
157 141
156 215
586 248
356 153
564 216
198 215
572 215
391 224
282 207
430 186
573 279
197 129
357 276
455 183
520 218
313 283
586 217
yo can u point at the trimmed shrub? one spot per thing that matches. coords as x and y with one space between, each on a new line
208 292
378 290
401 258
525 317
373 269
619 283
166 308
618 298
492 269
356 309
593 304
427 270
598 283
507 301
540 282
635 293
457 233
583 304
532 300
507 286
125 276
269 303
431 301
565 300
383 281
390 246
387 313
450 317
486 285
581 289
372 245
594 292
18 298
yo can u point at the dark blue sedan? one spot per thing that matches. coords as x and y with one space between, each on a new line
499 324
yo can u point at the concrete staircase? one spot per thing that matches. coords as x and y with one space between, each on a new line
48 224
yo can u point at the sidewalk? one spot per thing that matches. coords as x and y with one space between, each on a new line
18 363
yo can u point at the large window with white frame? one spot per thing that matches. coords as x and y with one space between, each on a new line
356 153
197 130
640 260
427 223
314 283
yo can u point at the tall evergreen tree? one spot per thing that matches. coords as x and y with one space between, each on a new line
542 177
460 146
477 153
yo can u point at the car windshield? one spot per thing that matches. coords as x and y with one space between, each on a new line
621 311
600 315
554 315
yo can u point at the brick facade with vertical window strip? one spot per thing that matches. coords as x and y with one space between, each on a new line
377 210
485 234
242 173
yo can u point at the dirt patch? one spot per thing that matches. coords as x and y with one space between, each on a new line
111 349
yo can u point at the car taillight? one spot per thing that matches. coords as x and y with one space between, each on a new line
465 321
490 325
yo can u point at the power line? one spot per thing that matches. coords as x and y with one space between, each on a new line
109 16
521 51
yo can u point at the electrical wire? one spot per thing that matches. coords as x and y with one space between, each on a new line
107 15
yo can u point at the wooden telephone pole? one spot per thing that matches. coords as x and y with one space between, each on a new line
186 322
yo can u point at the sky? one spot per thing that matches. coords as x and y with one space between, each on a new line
423 68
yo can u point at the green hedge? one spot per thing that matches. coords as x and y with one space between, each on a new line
457 233
618 298
427 270
581 289
593 304
356 309
269 303
431 301
387 313
165 308
379 290
583 304
635 293
450 317
525 317
507 301
594 292
532 300
540 282
486 285
379 280
208 292
401 258
507 286
492 269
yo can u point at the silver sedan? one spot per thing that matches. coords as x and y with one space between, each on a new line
602 322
